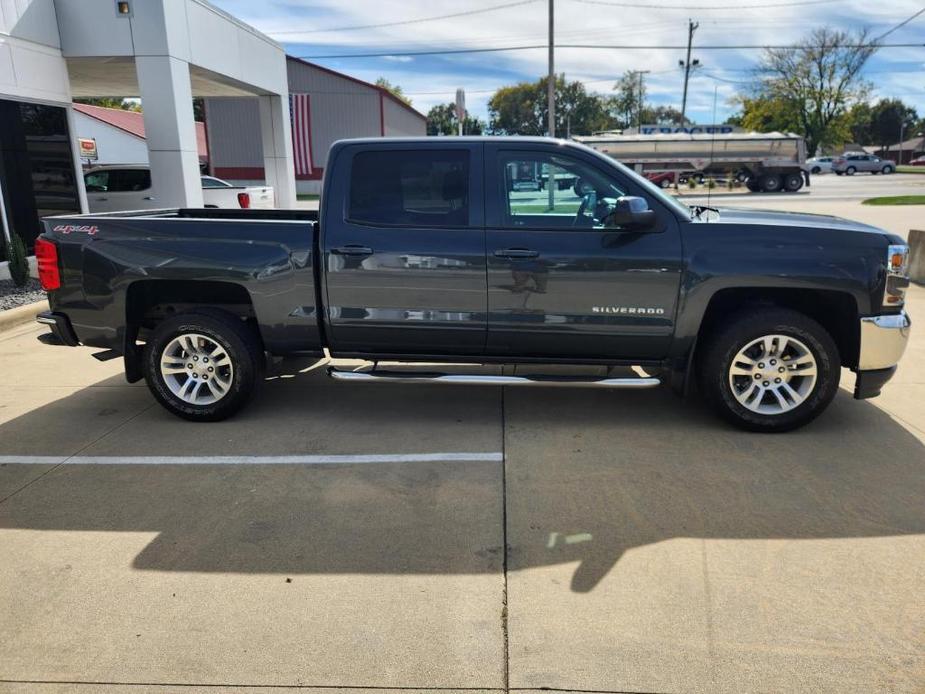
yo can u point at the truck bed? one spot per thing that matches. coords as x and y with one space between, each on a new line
119 265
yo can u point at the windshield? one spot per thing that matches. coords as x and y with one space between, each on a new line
650 188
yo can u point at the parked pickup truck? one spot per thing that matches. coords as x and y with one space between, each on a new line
423 251
115 188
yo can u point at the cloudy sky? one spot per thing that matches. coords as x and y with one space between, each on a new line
318 28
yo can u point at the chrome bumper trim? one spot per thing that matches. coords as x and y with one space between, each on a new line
883 340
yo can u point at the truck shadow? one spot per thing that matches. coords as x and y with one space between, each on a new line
589 476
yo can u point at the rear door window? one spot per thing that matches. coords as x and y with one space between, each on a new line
416 188
129 180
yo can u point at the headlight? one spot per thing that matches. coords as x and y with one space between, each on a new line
897 275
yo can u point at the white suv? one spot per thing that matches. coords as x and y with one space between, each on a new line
119 188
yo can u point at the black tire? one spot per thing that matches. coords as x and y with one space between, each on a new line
770 183
851 171
886 170
240 344
793 182
720 348
665 183
815 170
752 185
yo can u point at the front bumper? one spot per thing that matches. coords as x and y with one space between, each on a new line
883 342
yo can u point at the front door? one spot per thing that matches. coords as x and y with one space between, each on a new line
562 284
405 253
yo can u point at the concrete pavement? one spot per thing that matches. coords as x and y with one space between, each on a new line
650 548
837 195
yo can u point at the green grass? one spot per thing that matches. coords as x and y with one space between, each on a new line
911 169
896 200
307 196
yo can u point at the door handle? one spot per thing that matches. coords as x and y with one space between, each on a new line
516 253
352 249
150 197
102 199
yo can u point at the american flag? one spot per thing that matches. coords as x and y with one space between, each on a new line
300 111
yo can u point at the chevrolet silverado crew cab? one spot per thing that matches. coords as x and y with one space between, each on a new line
425 250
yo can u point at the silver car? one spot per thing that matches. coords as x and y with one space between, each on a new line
819 165
851 163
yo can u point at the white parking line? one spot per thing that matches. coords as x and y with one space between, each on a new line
496 457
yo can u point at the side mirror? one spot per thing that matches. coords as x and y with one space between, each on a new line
631 213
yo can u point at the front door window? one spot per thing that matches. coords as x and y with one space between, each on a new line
545 191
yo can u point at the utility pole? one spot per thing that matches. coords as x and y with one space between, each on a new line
551 105
551 83
640 73
686 64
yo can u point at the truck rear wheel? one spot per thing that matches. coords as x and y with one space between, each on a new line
202 365
793 182
770 370
770 183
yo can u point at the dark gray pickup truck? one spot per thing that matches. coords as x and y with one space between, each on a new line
425 250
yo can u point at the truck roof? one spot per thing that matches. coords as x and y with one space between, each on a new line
437 140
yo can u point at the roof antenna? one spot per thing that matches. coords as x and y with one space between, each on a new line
712 146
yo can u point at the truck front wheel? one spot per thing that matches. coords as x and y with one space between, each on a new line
202 366
770 370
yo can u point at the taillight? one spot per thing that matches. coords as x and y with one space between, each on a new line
46 256
244 200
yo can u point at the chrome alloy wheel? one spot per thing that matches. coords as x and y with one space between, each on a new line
197 369
773 374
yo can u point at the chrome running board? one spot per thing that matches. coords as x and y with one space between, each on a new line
488 380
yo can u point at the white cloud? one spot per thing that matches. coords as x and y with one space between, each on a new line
745 22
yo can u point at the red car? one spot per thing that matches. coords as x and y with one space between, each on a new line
663 179
918 161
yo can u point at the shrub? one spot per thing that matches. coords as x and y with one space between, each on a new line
731 183
19 262
711 183
691 182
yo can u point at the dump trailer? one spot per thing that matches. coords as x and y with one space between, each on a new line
765 162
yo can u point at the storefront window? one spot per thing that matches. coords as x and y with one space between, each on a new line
36 166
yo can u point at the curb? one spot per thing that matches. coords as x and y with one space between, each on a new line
14 317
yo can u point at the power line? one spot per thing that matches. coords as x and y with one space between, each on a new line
501 49
899 26
418 20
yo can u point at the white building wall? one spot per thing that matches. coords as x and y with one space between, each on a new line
31 66
401 122
113 145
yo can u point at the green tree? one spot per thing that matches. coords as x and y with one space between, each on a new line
816 83
121 102
891 119
393 88
442 120
522 109
626 104
765 114
663 115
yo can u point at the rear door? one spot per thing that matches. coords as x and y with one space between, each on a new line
114 190
403 242
560 283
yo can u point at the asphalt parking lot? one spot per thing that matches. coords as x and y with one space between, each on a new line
343 537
